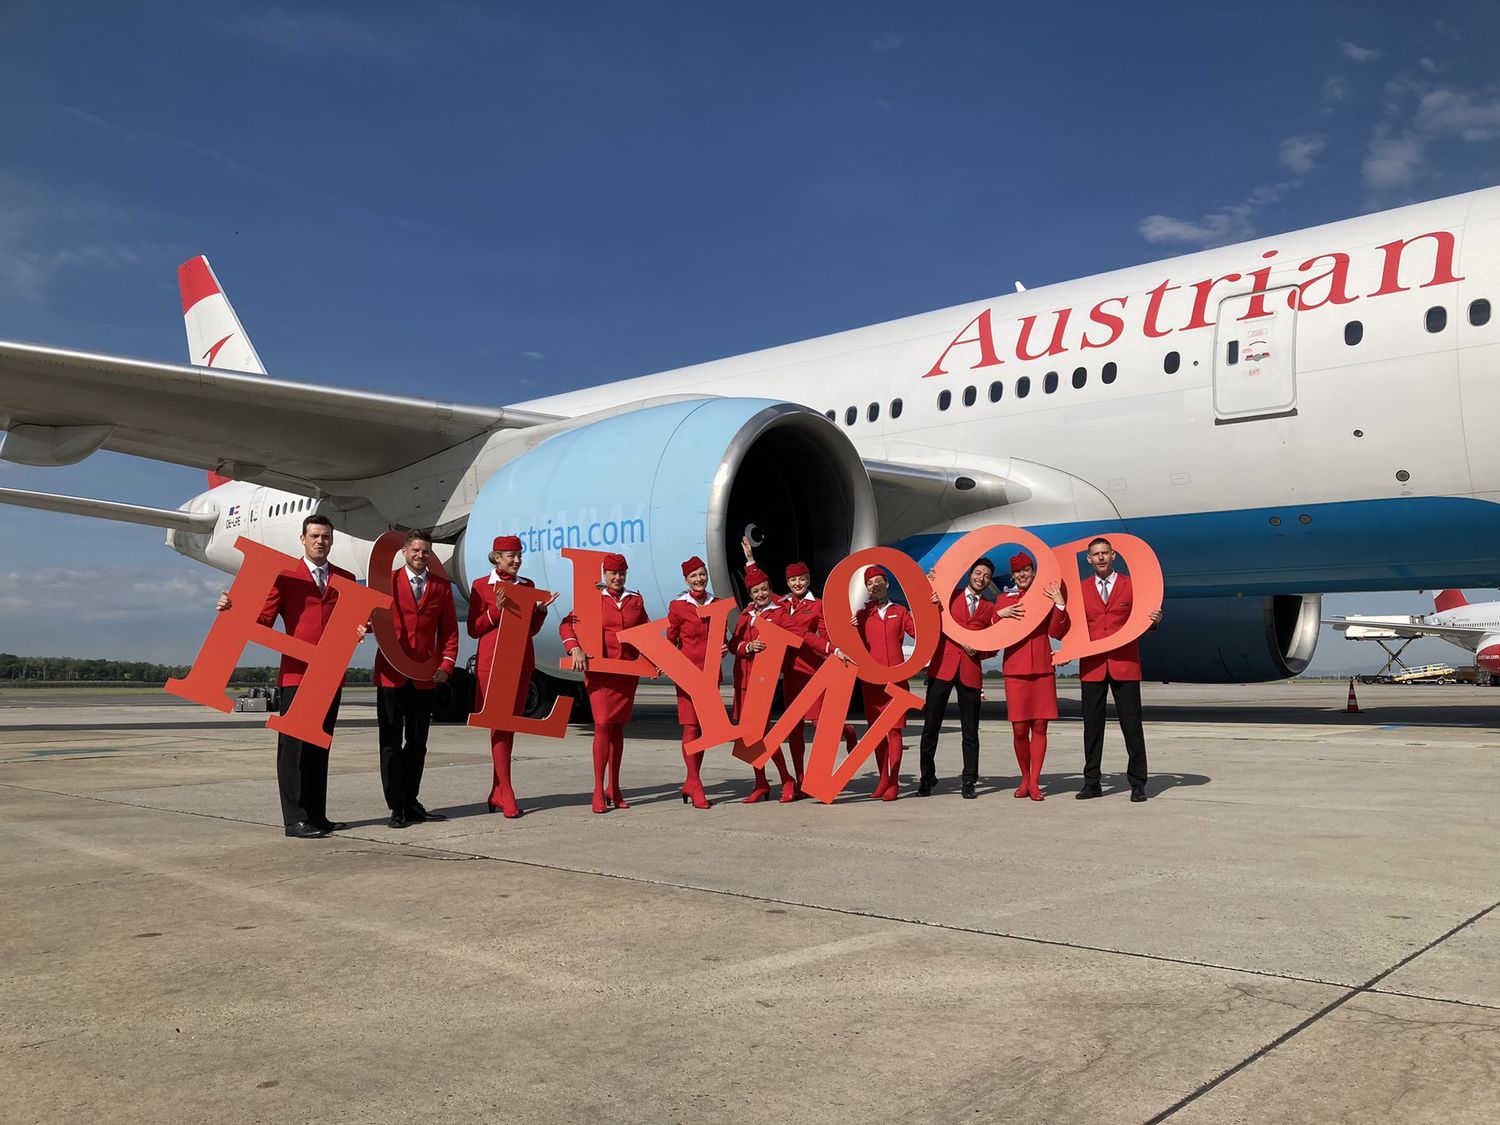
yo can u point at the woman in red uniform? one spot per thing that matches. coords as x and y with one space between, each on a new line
746 643
611 694
689 632
801 613
1030 679
883 623
485 599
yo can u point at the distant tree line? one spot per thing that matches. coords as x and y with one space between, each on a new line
75 669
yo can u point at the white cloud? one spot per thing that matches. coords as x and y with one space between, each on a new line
1217 228
1358 53
1429 65
1392 160
886 41
1300 154
1335 89
1454 113
321 33
1447 30
532 355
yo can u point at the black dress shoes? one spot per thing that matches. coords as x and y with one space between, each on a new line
925 788
332 825
968 791
1087 793
1137 794
398 818
417 814
302 830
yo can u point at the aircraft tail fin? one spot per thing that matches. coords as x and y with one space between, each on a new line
1449 599
214 333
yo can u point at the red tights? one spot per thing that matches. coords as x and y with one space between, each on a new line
1030 736
609 747
692 788
502 796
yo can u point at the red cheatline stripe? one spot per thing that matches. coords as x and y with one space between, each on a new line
196 281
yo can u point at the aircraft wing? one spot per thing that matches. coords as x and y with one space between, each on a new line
1404 627
59 406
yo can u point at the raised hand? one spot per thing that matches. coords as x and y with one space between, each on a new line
224 602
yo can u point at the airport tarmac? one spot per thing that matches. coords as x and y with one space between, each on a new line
1300 926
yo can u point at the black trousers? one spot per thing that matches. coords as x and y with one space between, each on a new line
405 715
933 710
1127 695
302 769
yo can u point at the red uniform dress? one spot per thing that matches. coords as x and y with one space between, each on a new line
1030 678
611 694
746 631
690 633
883 628
484 625
301 767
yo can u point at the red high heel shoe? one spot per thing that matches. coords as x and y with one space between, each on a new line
617 799
700 801
788 792
507 805
758 794
600 804
892 790
879 793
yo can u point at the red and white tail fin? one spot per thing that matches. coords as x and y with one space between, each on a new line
214 334
1449 599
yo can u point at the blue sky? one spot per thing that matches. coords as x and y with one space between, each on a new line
485 202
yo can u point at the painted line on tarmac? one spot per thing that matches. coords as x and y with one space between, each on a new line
1327 1009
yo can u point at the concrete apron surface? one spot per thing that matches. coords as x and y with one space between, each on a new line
1300 925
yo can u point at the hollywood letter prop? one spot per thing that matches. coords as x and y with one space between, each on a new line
1146 581
327 659
590 622
503 688
382 625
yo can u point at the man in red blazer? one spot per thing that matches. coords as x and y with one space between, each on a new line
1107 600
957 667
426 626
304 599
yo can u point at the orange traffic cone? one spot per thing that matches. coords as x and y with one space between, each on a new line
1352 707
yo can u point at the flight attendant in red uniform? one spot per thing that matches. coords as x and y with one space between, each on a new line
801 613
611 694
690 633
485 601
883 623
1030 679
746 643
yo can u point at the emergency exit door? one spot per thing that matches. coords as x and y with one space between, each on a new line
1255 363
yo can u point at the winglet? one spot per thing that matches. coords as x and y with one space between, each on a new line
215 336
195 279
1449 599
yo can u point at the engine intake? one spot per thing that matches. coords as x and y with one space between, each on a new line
1232 640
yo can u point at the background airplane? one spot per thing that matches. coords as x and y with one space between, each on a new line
1280 418
1475 627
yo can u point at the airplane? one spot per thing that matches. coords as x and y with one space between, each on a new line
1475 627
1291 416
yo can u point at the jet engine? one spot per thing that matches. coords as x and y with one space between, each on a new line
1232 640
669 481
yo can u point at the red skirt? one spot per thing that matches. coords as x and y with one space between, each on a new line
792 683
611 696
876 701
1030 697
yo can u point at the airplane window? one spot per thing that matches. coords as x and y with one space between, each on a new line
1023 386
1049 383
1479 312
895 408
874 412
1080 377
970 394
996 390
831 415
1354 332
1108 372
945 400
1171 363
1232 353
851 415
1437 318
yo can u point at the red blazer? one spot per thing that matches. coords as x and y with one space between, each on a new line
484 626
629 610
423 630
304 612
745 631
1033 655
950 661
804 617
1123 663
883 635
686 630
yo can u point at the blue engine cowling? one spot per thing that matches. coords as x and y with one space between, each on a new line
1239 640
667 482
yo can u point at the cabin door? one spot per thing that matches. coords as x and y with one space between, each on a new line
1255 368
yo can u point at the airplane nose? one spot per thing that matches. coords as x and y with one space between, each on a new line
1489 658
